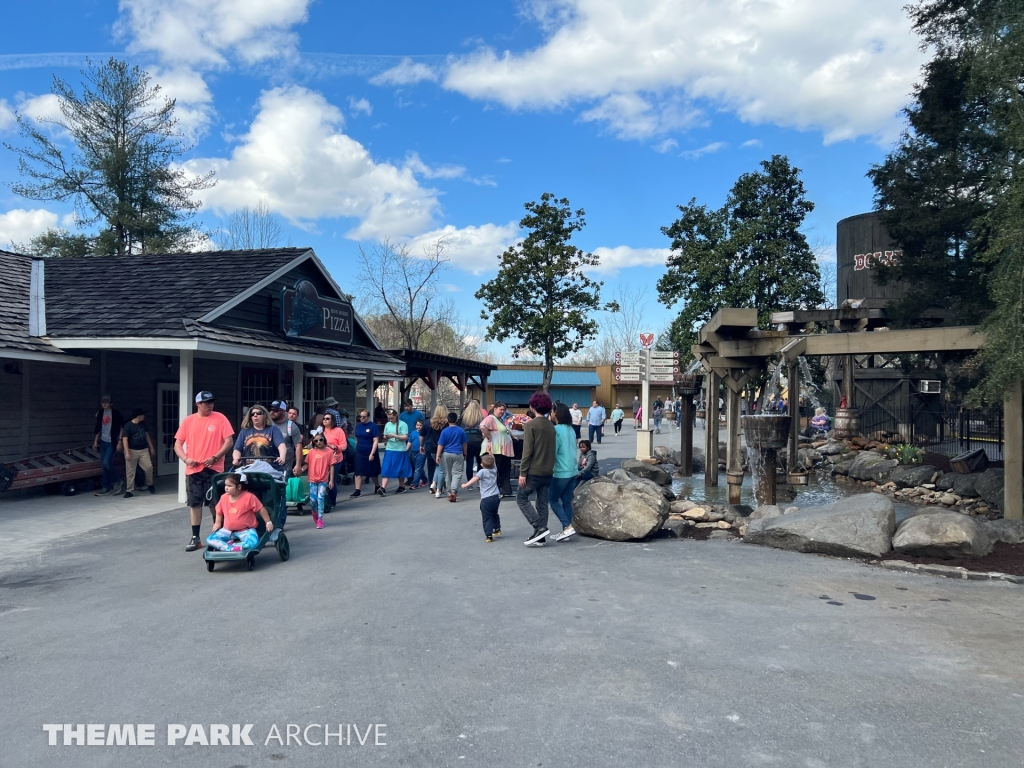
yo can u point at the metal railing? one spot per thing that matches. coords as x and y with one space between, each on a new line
949 429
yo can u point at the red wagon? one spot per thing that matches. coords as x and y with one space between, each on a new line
66 472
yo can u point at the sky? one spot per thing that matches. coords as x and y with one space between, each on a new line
356 122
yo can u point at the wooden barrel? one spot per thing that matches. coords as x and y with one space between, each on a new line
846 423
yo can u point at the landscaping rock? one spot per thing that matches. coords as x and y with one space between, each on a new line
765 512
909 477
859 526
675 528
1008 531
618 512
942 534
990 486
647 471
945 482
622 477
808 458
882 471
863 463
731 513
720 534
696 513
938 460
664 453
831 448
965 485
682 505
699 463
843 467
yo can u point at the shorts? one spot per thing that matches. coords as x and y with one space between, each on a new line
196 486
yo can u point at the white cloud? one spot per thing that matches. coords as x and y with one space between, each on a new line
8 119
844 67
193 100
45 107
474 249
297 158
407 72
359 106
751 143
200 33
20 225
623 257
707 149
666 145
417 166
630 116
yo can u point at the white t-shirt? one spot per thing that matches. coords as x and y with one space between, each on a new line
488 482
577 416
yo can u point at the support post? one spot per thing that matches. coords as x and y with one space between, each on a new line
369 393
299 390
794 415
644 436
711 432
1013 452
462 391
483 393
396 395
186 398
685 417
435 382
734 454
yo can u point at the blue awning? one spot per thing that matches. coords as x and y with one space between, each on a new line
533 378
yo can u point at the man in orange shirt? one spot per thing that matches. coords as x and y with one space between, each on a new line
202 441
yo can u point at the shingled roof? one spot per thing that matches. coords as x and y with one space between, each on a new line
15 290
150 296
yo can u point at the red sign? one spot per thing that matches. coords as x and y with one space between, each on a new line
646 340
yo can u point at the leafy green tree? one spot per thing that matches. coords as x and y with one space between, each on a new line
933 194
748 253
112 154
541 296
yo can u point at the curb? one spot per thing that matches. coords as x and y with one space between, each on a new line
948 571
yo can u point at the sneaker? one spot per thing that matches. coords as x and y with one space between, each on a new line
437 495
320 523
102 492
355 494
193 544
128 494
496 533
152 489
565 534
539 536
452 497
400 489
489 540
433 487
119 486
381 492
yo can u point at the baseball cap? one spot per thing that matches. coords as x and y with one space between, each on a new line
205 397
279 405
106 399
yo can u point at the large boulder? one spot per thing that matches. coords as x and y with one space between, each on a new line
911 477
765 512
858 526
966 485
989 486
699 463
647 471
618 512
1008 531
938 460
622 477
832 448
808 458
735 514
843 467
665 454
863 464
881 472
942 534
945 483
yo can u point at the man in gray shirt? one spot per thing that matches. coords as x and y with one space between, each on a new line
292 438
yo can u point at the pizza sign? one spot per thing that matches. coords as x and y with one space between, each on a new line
646 340
868 260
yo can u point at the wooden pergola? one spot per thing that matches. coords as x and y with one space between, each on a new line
732 350
432 368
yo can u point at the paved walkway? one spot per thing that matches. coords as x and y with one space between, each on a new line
665 653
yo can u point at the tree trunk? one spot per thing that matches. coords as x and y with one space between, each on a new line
549 367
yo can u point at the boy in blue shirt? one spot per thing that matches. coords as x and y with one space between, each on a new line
452 449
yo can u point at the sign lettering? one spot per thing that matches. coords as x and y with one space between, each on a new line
305 314
863 261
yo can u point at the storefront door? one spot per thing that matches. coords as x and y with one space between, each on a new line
166 426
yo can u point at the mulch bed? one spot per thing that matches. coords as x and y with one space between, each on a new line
1005 558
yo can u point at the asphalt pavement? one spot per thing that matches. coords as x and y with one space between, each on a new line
586 653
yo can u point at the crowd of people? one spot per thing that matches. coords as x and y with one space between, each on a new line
405 451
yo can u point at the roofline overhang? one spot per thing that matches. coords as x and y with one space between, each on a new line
146 344
43 357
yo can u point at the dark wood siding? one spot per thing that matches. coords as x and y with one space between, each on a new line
221 377
860 235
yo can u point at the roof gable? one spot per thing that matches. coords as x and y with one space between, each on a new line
112 296
15 290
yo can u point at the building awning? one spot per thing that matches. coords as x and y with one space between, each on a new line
511 377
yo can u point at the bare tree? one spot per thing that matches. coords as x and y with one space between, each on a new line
251 228
626 316
401 290
829 269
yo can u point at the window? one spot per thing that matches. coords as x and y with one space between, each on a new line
317 389
259 385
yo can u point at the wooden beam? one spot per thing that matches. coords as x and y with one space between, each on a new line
1013 453
711 431
916 340
804 316
729 321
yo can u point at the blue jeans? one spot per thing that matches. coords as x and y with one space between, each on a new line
107 461
560 498
419 469
598 430
317 496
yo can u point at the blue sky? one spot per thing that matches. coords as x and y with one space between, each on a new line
413 120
